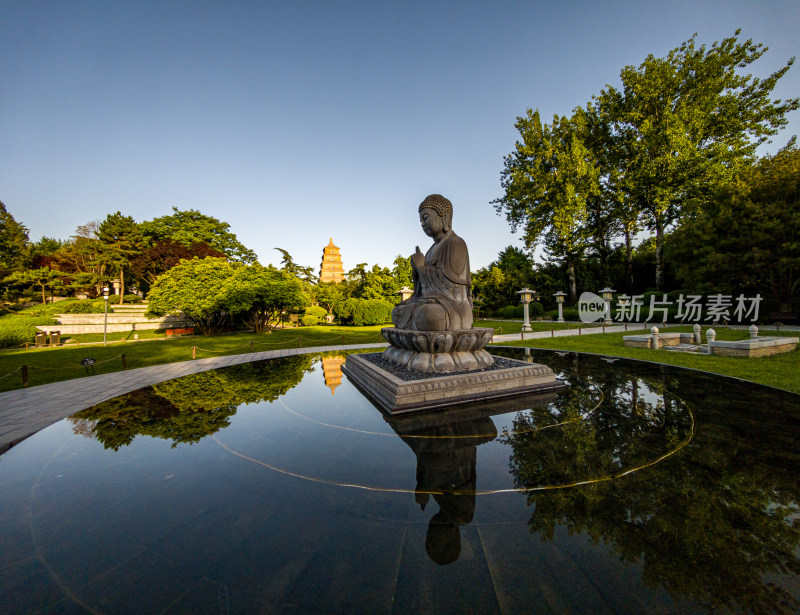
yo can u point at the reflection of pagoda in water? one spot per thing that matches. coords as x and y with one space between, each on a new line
331 269
332 369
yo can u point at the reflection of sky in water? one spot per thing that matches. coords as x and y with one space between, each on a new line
260 488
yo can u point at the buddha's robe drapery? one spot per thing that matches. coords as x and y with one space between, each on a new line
443 280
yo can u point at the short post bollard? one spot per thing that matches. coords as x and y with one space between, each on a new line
300 339
753 330
711 337
24 375
124 361
696 338
251 345
194 352
654 338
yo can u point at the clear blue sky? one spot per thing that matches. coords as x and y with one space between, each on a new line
300 121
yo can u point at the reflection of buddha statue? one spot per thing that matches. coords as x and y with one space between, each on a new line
446 453
433 328
442 298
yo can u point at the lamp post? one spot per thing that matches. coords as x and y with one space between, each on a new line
607 294
526 295
405 293
560 301
105 313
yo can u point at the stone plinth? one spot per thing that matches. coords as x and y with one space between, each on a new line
664 339
438 352
397 396
754 347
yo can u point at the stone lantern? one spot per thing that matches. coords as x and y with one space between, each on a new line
526 295
405 293
560 301
607 294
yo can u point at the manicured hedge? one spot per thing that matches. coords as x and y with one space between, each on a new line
313 316
15 329
361 312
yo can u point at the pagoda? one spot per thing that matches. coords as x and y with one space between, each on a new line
331 269
332 371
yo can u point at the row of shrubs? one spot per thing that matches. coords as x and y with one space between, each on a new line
18 329
357 312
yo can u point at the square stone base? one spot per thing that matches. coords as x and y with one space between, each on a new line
754 347
397 396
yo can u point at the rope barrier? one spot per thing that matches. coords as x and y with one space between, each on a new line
11 373
55 369
223 350
276 343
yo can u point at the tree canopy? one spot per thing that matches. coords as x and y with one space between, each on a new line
747 236
13 242
648 152
122 240
202 290
210 291
267 293
191 227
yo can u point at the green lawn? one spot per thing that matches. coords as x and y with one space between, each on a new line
63 363
780 371
503 327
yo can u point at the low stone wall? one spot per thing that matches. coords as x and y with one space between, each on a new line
637 341
72 324
754 347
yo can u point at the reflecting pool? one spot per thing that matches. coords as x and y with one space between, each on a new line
277 487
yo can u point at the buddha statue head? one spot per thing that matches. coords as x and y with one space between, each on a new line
436 215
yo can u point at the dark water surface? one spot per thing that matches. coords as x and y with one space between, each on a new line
276 487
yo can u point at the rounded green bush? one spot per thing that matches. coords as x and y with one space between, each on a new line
16 330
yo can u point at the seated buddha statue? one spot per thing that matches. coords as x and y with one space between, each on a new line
442 299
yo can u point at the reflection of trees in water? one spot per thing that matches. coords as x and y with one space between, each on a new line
709 523
187 409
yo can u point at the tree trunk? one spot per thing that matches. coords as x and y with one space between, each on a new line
628 260
121 285
659 256
573 284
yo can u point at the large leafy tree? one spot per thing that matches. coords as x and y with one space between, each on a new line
122 240
200 289
162 256
190 227
684 124
42 278
84 260
265 293
13 242
549 182
747 237
402 271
